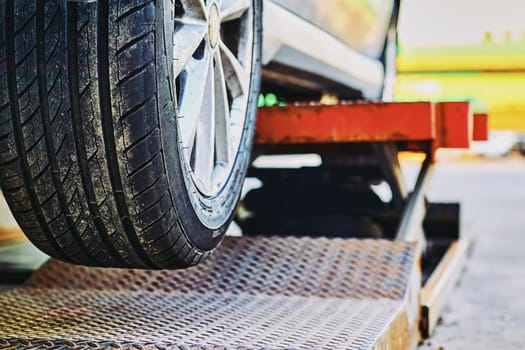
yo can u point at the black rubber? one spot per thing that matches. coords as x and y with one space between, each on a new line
89 156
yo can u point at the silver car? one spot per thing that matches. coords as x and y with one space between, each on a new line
126 126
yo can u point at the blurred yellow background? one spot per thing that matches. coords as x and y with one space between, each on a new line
467 49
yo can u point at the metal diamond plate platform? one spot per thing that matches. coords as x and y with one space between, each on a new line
253 293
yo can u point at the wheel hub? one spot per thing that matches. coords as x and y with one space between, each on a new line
212 69
214 25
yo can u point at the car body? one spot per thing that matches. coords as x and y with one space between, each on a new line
153 139
340 42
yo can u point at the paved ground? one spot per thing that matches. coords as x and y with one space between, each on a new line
487 310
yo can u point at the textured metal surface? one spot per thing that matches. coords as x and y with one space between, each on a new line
299 293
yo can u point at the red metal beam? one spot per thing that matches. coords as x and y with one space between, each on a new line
481 127
453 124
447 124
356 122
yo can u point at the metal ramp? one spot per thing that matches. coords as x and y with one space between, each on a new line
253 293
283 292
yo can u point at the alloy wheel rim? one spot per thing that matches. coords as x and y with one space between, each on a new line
212 50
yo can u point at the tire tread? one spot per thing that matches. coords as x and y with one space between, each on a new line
83 181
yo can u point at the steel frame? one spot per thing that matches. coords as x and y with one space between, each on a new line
390 128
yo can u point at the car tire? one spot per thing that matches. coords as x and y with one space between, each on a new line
95 162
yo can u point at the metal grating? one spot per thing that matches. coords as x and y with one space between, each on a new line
253 293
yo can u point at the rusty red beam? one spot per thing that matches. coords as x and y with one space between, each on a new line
446 124
454 123
356 122
481 127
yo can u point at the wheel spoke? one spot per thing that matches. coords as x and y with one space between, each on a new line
222 113
233 9
236 76
188 35
194 8
205 138
192 99
212 78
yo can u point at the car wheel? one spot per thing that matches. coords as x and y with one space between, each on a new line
126 126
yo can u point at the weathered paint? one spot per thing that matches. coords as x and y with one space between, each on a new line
356 122
444 124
